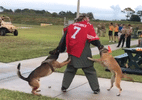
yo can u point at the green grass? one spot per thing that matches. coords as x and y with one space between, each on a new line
30 43
36 42
15 95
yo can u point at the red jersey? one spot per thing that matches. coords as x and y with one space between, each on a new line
77 35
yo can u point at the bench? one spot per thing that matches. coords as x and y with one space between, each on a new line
122 59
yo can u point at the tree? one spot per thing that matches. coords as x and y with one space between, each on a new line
62 13
135 18
129 12
7 10
140 14
54 14
18 11
1 8
90 15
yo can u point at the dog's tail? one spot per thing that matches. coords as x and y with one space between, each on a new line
19 73
65 62
131 79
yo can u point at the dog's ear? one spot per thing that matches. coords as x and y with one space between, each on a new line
103 50
54 52
51 52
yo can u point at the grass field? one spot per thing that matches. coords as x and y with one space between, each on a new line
30 43
36 42
15 95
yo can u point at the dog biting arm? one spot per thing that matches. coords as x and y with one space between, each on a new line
62 45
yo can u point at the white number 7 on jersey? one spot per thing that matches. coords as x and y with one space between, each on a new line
75 33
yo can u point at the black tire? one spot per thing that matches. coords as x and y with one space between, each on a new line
3 32
15 33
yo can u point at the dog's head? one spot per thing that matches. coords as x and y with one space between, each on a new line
53 54
104 50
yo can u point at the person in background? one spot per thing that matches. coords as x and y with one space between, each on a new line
78 38
122 37
0 21
103 29
119 32
128 36
99 29
139 42
111 28
116 29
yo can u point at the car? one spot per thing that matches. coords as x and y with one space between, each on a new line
7 27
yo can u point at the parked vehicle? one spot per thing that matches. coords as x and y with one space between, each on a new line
7 27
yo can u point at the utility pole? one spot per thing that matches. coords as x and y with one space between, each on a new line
78 8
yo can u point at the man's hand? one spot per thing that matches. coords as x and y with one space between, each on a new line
100 47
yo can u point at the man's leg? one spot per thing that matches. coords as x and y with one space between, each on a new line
129 41
91 75
68 76
120 40
123 40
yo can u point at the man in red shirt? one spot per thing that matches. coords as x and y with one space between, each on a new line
77 39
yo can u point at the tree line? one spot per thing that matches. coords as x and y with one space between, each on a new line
68 14
131 15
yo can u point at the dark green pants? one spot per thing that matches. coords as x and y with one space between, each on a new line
90 73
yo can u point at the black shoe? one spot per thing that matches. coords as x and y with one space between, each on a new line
97 91
63 89
117 46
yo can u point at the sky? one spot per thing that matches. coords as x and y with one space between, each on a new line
101 9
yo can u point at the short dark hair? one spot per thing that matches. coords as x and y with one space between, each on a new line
81 17
111 23
129 25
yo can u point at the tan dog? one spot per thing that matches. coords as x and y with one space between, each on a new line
45 69
108 61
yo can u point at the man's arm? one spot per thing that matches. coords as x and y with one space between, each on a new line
97 44
62 45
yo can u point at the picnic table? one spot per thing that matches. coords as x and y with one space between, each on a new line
134 56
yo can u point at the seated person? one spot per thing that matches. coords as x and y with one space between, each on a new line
1 19
140 42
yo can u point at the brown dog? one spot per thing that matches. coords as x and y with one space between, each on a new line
45 69
108 61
